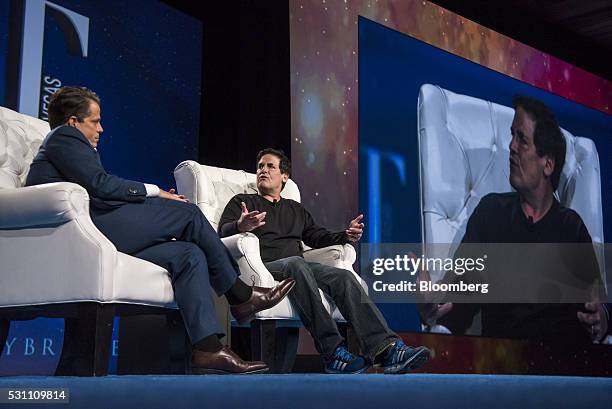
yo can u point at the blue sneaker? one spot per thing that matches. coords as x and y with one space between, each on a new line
343 362
401 358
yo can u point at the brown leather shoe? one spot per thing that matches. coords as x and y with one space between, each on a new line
224 362
261 299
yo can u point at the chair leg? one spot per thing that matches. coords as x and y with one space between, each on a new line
103 338
87 342
263 341
276 347
286 348
4 331
241 341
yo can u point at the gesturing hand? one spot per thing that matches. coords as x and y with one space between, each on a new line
355 229
249 221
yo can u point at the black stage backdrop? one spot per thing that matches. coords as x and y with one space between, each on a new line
245 79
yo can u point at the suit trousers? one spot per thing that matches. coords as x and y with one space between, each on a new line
177 237
343 288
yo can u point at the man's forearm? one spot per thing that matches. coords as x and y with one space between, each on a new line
323 238
229 229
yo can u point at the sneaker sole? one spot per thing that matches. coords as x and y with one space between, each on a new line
417 360
334 372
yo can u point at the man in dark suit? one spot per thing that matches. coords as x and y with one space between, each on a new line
155 225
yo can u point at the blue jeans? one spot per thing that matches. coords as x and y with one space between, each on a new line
348 295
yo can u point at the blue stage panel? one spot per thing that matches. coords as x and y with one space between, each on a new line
421 391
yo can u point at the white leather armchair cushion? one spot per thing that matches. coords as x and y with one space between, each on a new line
464 155
20 138
50 250
211 188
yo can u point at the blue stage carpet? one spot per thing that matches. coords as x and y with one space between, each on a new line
418 391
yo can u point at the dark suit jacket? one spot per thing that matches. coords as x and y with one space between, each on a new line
66 156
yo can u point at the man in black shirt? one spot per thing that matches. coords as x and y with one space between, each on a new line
281 225
531 215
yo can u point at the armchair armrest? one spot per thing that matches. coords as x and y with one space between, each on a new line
50 249
340 256
42 205
332 255
244 247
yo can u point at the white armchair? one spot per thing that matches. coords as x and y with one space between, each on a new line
211 188
464 155
55 262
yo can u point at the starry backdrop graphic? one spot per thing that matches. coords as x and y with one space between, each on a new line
145 63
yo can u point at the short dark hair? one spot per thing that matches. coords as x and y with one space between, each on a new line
70 101
547 136
284 165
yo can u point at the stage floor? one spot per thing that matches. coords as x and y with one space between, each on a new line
312 391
